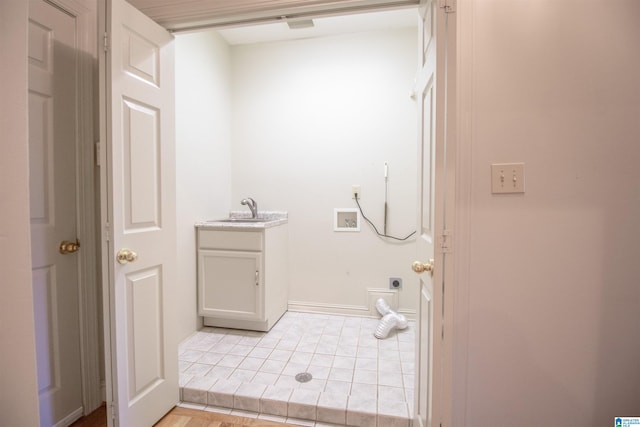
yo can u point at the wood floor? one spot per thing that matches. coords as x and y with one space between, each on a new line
183 417
97 418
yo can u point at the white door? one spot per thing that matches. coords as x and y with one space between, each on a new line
138 185
53 207
435 169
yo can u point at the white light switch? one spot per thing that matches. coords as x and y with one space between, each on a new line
507 178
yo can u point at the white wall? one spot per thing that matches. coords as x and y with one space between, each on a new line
311 117
18 383
203 153
553 297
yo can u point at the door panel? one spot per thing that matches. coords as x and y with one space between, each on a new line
230 284
431 93
140 199
141 154
144 296
141 57
53 56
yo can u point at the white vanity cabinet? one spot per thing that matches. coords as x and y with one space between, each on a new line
242 276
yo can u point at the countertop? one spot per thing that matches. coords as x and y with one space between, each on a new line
267 219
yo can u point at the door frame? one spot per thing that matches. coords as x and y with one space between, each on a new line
458 190
459 274
88 193
447 226
85 14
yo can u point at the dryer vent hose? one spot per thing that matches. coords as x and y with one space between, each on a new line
390 319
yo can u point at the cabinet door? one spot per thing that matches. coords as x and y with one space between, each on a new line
230 284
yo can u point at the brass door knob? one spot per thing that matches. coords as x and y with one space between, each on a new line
421 267
67 247
126 256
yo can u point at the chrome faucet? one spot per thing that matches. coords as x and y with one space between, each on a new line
252 205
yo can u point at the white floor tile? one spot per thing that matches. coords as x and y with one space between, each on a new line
301 357
391 393
319 372
255 371
344 362
273 418
338 387
347 350
198 369
246 414
210 358
220 372
241 350
260 352
218 410
282 355
341 374
190 405
230 361
191 355
322 360
265 378
242 375
251 363
300 422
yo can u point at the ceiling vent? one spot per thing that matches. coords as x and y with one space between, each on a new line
300 23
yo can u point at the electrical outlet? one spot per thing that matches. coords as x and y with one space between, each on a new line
395 283
355 191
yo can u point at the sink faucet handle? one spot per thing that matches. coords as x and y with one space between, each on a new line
253 206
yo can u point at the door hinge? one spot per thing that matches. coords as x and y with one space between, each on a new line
107 231
449 6
105 42
113 414
97 153
445 241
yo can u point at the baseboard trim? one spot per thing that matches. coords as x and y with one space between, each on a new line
343 310
409 314
69 419
317 307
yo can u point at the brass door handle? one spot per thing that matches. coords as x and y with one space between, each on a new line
67 247
126 256
420 267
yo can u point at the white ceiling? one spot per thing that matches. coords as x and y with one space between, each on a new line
187 14
326 26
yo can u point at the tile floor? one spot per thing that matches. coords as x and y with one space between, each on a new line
358 380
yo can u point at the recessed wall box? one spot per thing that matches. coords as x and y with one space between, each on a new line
346 219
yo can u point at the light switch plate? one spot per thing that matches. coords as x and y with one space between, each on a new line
507 178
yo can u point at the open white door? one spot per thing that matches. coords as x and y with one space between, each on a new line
138 216
435 180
